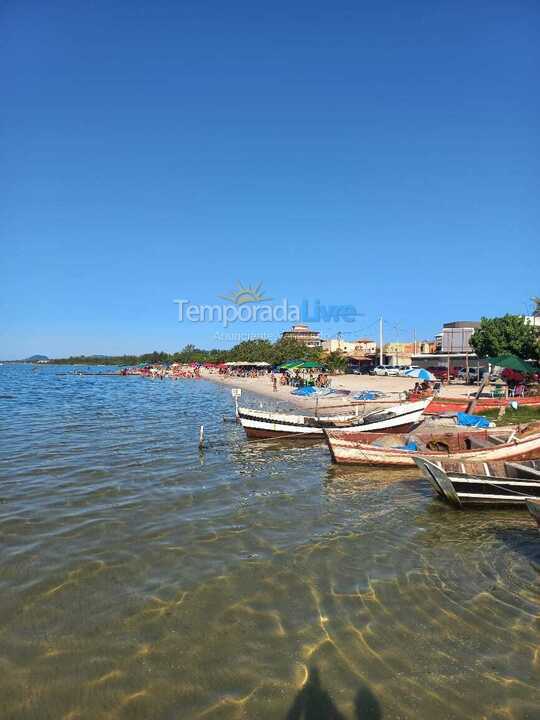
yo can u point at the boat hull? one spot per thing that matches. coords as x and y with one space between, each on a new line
474 487
259 431
260 424
447 405
354 450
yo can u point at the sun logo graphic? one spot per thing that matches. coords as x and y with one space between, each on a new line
246 294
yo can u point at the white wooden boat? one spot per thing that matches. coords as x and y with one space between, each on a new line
265 424
372 448
483 483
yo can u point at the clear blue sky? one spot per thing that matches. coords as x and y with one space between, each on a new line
385 155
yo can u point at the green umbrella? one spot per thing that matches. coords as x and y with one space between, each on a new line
290 364
511 362
310 364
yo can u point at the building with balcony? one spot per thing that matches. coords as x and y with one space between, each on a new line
303 334
364 347
398 353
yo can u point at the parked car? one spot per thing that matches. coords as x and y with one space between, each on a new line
472 374
441 373
385 370
360 369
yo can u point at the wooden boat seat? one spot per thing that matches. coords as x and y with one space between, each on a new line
516 469
477 443
496 440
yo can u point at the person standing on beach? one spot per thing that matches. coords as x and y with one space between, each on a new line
274 382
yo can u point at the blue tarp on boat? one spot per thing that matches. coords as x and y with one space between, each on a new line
308 390
365 395
472 420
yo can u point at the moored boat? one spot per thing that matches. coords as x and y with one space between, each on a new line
372 448
483 483
447 404
267 424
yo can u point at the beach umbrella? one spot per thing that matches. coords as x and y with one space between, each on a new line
420 374
290 364
511 362
310 364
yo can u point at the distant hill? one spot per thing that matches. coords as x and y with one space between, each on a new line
35 358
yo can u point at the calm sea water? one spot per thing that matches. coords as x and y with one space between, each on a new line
141 578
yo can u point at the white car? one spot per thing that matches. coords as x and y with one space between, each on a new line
385 370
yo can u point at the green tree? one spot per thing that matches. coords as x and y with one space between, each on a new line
257 350
284 350
508 335
336 361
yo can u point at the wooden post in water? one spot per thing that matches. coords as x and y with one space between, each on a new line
201 438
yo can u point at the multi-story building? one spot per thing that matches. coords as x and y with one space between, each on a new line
303 334
456 336
357 348
398 353
365 346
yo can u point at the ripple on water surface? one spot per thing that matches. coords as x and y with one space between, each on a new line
141 578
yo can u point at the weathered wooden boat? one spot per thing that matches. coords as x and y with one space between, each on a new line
266 424
533 506
483 483
372 448
449 405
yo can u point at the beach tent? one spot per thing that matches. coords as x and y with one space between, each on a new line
245 363
511 362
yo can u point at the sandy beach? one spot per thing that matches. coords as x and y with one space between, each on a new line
393 386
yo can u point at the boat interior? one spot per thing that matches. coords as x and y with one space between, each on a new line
515 469
450 441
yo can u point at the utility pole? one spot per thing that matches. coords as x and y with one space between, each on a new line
380 341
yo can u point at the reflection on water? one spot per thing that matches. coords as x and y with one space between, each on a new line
143 579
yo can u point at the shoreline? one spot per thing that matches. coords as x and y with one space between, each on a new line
262 387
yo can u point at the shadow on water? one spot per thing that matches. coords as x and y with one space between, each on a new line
523 540
313 702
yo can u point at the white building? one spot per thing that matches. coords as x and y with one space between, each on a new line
456 336
360 347
338 345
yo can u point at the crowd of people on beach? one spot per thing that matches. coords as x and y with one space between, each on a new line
160 372
298 378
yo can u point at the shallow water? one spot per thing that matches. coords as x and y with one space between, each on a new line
141 578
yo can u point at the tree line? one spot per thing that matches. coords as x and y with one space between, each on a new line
247 351
510 334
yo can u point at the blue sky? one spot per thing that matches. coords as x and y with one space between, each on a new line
384 155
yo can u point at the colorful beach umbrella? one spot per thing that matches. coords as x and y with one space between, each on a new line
420 374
